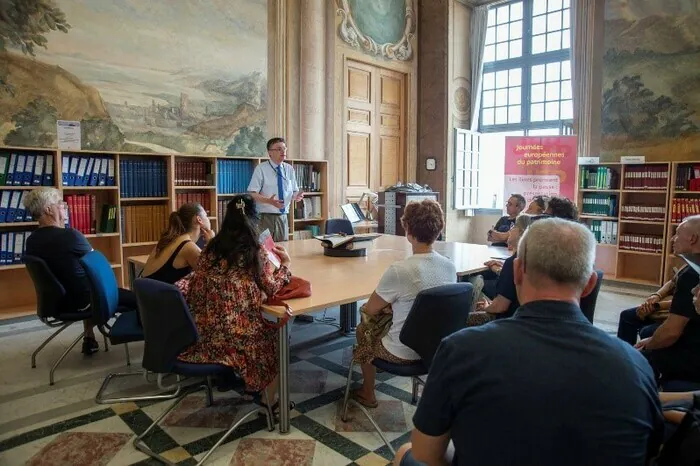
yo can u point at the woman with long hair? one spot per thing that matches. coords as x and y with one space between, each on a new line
177 252
225 293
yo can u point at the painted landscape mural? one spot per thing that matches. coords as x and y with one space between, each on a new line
185 76
651 79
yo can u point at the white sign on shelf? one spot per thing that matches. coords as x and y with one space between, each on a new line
632 159
588 160
68 133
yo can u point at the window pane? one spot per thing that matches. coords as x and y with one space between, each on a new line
502 14
554 21
537 74
552 111
502 51
565 90
553 71
566 19
502 115
514 114
487 116
552 91
566 39
553 41
516 11
502 79
492 17
537 93
516 48
537 112
567 3
516 30
514 77
544 132
567 110
489 99
502 33
514 95
554 5
539 6
489 80
566 69
489 53
539 25
538 44
490 35
502 97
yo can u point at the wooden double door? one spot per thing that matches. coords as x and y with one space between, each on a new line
375 128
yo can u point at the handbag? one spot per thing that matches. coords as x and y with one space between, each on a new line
296 288
375 327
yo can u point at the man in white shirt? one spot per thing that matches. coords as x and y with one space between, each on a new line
274 186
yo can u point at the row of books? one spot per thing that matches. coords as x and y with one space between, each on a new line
12 207
599 204
143 178
646 177
82 170
308 208
682 207
26 169
644 243
308 177
192 174
84 216
605 231
201 198
233 176
641 212
597 178
143 223
308 232
12 245
688 178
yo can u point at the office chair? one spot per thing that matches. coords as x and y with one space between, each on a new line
339 225
588 302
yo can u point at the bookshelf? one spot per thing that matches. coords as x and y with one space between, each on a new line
626 207
684 202
146 188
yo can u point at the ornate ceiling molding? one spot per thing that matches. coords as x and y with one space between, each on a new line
350 33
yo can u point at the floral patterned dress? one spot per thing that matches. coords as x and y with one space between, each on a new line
225 305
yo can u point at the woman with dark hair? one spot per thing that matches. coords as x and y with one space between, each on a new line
225 293
398 288
537 206
177 252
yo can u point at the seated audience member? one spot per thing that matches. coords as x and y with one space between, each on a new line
60 248
506 301
561 207
177 252
537 206
499 234
674 348
545 387
225 292
398 287
643 320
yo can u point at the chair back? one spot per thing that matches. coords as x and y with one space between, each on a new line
168 327
436 313
49 291
104 291
588 302
339 225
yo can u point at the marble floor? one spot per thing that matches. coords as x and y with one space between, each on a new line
61 424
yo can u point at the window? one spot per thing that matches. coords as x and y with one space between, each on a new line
466 172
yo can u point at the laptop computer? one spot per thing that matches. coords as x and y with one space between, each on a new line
353 212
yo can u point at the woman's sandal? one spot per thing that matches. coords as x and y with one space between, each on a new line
355 394
276 409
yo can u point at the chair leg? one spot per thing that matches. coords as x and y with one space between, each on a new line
104 337
46 342
374 424
268 411
65 353
414 389
165 395
346 398
210 392
128 357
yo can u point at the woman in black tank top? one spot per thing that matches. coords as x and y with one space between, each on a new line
190 220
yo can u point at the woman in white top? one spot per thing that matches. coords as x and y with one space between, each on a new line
398 287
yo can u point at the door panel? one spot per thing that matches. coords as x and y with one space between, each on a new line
358 161
389 160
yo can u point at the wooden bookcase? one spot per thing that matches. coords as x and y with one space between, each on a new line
681 192
17 289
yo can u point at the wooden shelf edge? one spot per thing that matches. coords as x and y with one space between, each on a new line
19 224
308 220
135 245
139 199
22 188
643 222
22 266
594 190
641 253
89 188
101 235
195 187
597 217
646 191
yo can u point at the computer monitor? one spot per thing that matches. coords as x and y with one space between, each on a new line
353 212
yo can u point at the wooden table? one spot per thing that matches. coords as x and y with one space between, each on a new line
342 281
366 226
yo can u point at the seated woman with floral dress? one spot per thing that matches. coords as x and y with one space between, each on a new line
225 293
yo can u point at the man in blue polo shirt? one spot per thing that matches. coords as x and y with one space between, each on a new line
545 387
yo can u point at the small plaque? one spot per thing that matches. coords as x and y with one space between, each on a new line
588 160
632 159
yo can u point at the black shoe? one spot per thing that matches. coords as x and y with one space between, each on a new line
90 346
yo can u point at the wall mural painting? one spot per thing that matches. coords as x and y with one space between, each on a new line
379 27
651 83
160 76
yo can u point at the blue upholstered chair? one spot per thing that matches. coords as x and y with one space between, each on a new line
49 294
120 325
588 302
169 329
436 313
339 225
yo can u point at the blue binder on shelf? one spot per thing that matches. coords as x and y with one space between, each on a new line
65 170
10 178
28 170
47 179
3 248
102 176
19 212
110 171
82 167
14 205
95 171
19 170
38 170
4 205
73 170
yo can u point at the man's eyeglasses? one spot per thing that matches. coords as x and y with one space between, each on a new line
278 149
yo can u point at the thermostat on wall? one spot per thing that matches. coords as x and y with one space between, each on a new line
430 163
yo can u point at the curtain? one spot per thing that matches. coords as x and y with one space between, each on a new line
478 39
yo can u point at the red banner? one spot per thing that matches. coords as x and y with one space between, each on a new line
540 166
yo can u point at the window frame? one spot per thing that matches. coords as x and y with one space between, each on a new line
466 162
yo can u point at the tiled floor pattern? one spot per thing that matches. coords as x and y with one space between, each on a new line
61 425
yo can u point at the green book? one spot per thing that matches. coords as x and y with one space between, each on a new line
4 160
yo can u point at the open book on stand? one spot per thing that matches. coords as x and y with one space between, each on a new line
347 241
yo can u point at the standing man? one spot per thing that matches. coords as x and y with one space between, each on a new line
274 186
